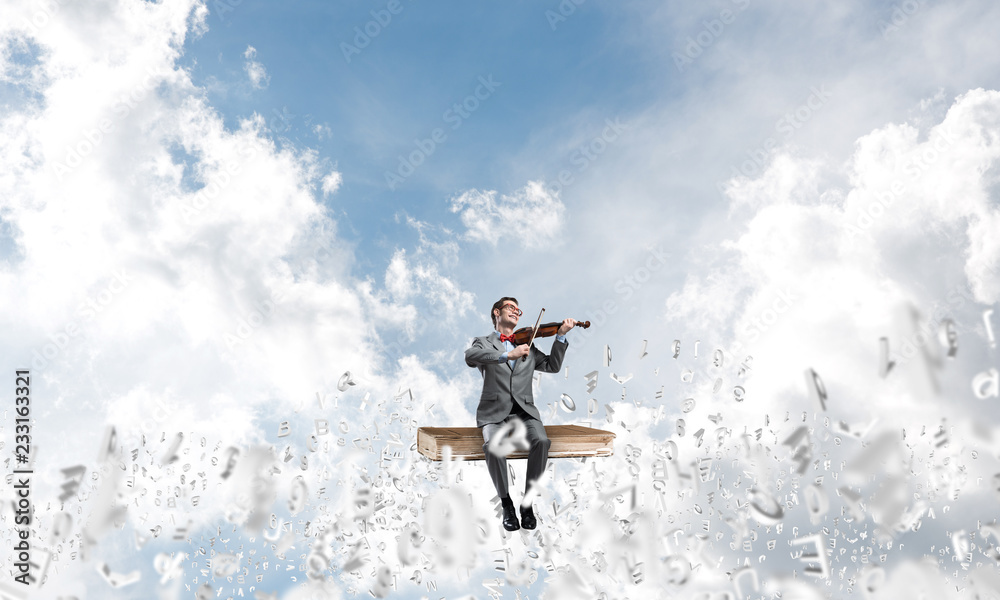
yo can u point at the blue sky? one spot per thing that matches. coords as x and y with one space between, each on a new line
199 243
397 89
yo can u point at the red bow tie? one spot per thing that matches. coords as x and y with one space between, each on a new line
507 338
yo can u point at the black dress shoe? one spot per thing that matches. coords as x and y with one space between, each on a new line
510 518
528 518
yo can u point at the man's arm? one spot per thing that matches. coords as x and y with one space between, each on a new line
551 363
479 354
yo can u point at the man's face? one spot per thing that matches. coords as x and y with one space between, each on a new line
509 313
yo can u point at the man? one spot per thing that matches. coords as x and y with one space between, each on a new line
507 395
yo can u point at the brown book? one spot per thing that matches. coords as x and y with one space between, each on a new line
467 442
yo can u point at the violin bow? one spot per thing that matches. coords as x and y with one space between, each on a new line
533 332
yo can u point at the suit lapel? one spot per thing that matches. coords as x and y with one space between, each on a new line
518 364
494 339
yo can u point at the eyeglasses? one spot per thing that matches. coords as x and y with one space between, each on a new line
514 309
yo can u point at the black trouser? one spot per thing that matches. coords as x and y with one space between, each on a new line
538 453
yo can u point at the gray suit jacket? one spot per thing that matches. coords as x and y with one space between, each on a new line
503 386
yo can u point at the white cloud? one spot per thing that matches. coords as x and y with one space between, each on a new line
179 281
255 70
331 183
199 273
531 216
173 274
422 273
419 277
322 131
398 277
818 275
421 299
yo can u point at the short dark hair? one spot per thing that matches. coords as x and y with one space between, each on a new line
498 305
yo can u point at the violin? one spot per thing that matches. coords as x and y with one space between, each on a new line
525 335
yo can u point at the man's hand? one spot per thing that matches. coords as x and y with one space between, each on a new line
567 324
518 352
